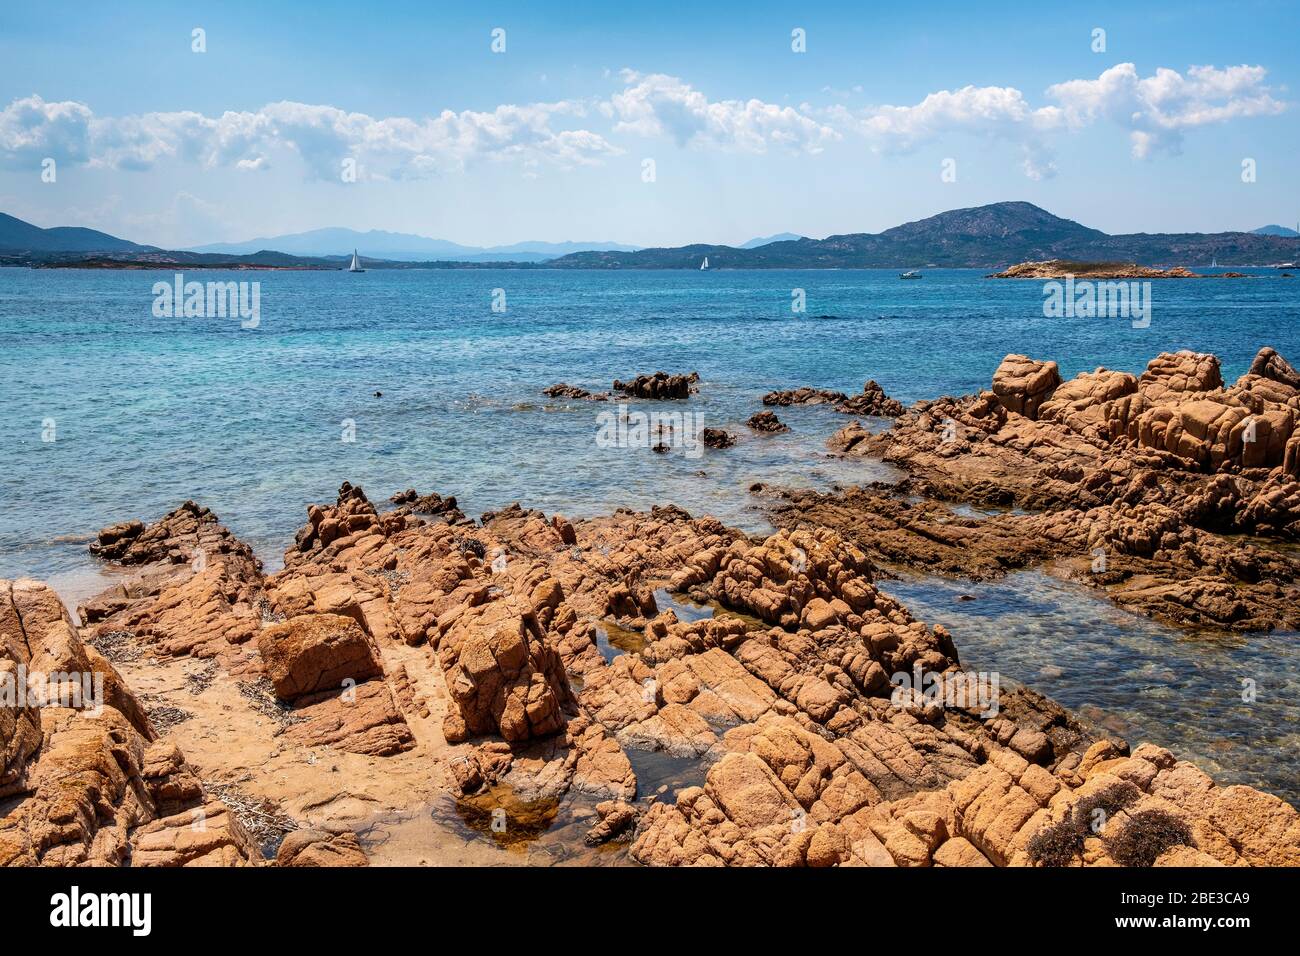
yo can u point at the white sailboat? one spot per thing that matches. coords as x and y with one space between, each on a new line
705 264
356 263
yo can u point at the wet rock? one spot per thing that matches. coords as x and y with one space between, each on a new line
563 390
659 386
718 438
871 401
766 422
804 396
411 502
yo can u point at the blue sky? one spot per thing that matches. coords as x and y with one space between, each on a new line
548 140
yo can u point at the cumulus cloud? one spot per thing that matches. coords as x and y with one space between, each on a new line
656 104
1154 109
979 109
994 111
323 136
1157 109
31 129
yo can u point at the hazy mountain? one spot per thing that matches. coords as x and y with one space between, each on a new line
984 237
1275 231
18 236
401 246
779 237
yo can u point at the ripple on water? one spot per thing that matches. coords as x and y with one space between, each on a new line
1139 678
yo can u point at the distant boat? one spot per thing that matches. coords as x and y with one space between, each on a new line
1214 262
910 274
356 263
705 264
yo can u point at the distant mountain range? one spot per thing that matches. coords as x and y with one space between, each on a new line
755 243
403 247
985 237
1275 231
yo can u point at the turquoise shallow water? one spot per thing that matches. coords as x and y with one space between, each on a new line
150 411
1132 676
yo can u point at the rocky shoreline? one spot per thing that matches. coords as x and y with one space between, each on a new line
524 662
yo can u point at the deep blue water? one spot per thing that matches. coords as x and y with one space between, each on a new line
149 411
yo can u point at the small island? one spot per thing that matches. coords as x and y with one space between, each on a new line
1060 268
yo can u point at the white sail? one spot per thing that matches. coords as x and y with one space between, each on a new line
356 263
705 263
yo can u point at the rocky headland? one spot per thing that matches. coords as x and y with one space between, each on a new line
1176 494
410 658
509 667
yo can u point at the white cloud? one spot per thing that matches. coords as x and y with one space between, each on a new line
323 136
1154 109
31 129
656 105
1158 108
994 111
978 109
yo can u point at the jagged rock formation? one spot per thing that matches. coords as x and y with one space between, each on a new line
1143 482
393 661
85 781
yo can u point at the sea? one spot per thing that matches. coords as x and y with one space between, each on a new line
432 379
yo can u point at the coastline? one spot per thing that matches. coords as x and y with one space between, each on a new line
769 658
